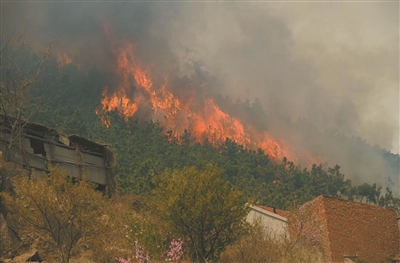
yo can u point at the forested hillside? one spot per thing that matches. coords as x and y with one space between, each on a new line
185 117
71 98
144 149
159 173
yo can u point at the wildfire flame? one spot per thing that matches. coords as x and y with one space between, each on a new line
63 60
177 112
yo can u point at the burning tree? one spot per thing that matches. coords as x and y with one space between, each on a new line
178 104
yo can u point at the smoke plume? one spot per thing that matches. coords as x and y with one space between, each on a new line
330 67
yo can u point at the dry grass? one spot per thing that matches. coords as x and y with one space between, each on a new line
261 246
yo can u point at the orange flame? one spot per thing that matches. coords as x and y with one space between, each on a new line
63 60
177 112
103 118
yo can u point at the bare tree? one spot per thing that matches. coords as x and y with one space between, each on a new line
21 74
66 213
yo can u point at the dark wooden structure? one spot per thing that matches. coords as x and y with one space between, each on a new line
37 147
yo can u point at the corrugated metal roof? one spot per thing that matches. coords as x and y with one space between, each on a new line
37 162
72 153
64 154
96 174
72 170
93 159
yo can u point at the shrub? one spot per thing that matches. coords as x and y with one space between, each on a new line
201 208
262 246
64 212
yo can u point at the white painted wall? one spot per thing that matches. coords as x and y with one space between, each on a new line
274 224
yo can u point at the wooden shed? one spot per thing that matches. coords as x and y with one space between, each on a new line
36 146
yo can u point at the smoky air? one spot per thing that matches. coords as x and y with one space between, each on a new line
313 82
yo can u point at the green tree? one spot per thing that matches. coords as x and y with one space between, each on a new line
371 192
67 213
390 201
199 206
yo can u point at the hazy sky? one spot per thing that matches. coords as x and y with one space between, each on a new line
333 63
354 48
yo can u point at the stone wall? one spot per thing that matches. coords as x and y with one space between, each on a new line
365 232
308 224
345 229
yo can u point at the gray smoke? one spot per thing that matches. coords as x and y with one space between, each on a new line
333 64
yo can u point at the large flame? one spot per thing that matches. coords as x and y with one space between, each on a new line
196 113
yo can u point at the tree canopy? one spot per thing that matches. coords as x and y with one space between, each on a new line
144 149
201 207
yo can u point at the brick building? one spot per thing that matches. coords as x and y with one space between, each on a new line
345 229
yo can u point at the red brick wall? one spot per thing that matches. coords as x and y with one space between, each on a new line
366 231
309 223
369 233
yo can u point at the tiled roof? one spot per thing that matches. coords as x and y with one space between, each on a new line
347 229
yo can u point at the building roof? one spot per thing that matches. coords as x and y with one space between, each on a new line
280 212
39 146
43 132
345 228
269 211
329 197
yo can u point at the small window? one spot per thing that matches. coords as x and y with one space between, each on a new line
37 146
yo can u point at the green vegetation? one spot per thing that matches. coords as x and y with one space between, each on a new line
260 245
144 150
201 208
189 190
64 212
